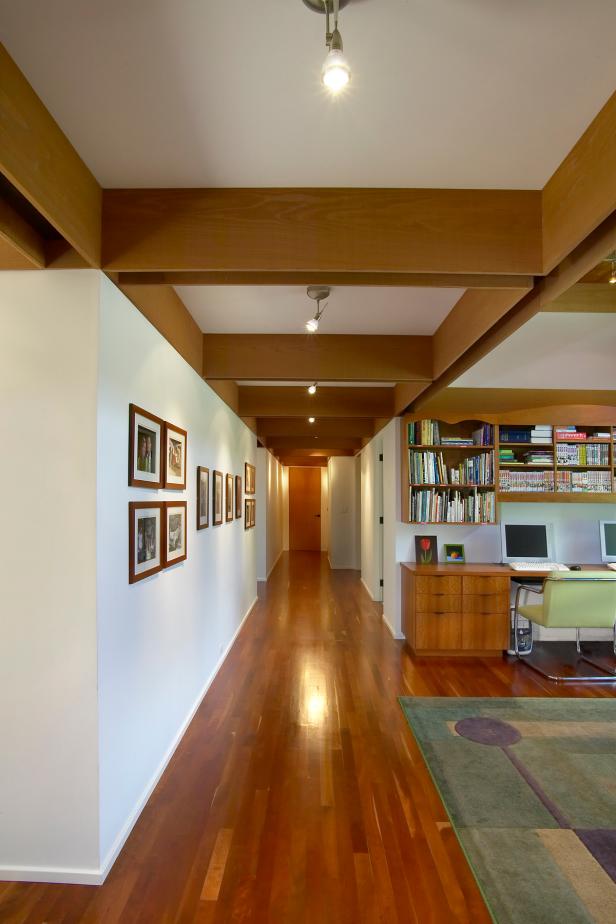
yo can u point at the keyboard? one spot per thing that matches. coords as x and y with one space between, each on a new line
612 565
537 566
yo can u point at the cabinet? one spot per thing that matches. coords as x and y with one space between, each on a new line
461 613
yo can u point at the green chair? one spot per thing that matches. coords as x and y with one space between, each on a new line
571 600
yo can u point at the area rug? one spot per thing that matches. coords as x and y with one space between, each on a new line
530 788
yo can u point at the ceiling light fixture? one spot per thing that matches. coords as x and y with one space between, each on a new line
312 389
336 72
317 294
612 259
311 420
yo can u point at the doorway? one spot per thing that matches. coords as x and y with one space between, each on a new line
304 509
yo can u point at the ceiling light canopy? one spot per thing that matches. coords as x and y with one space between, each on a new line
317 294
335 73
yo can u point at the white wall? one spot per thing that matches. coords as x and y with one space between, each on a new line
371 531
160 641
324 509
48 699
270 511
344 478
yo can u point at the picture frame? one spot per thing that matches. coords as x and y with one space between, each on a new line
217 498
229 497
253 513
249 514
249 478
145 539
238 497
203 497
175 532
426 550
454 553
176 441
145 441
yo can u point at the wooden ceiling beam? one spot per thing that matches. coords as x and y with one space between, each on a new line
17 233
39 161
524 405
326 357
582 192
585 297
286 443
329 278
323 230
307 461
281 401
328 426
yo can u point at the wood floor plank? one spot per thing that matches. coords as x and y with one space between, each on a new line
298 794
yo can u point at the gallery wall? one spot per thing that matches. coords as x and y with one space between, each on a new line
160 641
48 696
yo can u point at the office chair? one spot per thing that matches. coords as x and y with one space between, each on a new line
584 600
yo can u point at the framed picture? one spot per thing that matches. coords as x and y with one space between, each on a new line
203 497
145 527
247 505
229 498
425 550
145 438
454 554
238 496
217 499
174 532
253 509
175 457
249 478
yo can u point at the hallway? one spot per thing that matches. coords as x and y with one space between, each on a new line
298 793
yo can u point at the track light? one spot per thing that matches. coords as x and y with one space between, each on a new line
612 279
336 72
312 389
312 325
317 294
311 420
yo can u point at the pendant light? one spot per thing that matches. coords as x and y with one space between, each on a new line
336 72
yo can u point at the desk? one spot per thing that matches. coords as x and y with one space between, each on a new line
460 609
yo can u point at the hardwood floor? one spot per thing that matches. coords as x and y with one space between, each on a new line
298 793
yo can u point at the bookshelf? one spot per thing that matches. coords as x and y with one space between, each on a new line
461 483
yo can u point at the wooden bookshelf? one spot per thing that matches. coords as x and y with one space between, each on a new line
453 455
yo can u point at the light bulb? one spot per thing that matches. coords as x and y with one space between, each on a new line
613 277
312 389
312 325
336 72
311 420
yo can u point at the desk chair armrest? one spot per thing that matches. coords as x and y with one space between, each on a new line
528 587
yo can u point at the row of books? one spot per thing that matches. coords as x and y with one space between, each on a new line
539 433
427 433
432 506
581 482
532 457
430 468
529 481
588 454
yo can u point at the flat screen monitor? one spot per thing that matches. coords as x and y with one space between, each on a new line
527 542
608 540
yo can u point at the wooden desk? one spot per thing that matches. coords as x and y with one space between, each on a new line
460 609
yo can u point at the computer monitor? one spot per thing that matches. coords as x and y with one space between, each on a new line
607 531
527 542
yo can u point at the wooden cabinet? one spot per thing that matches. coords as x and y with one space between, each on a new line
466 612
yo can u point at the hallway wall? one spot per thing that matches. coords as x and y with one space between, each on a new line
370 512
269 527
344 487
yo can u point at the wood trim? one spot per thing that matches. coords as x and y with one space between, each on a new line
286 443
582 191
166 311
11 258
229 393
279 401
328 357
241 277
39 160
16 231
523 405
329 426
314 461
323 230
596 298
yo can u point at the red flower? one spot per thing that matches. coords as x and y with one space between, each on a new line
425 544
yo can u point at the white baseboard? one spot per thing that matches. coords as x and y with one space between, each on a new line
398 636
274 565
98 876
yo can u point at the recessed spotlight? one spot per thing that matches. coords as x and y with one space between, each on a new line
311 420
312 389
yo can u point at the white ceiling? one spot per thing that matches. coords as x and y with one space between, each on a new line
553 350
446 93
350 309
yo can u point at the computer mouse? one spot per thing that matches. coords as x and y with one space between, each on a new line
575 568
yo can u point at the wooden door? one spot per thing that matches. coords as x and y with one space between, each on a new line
305 509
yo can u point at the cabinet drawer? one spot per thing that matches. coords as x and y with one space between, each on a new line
439 603
437 584
485 631
485 603
478 584
434 631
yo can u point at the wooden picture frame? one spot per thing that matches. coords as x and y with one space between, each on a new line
426 550
145 441
145 539
176 446
229 498
203 497
175 532
238 497
217 498
253 513
249 478
247 513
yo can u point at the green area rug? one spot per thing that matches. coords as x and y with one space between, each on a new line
530 788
